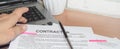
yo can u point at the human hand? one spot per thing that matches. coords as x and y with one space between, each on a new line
8 27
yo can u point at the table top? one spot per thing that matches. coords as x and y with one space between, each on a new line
102 25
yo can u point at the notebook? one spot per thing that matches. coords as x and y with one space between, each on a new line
36 14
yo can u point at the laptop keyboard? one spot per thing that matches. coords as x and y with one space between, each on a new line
32 15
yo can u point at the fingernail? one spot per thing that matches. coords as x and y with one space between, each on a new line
25 27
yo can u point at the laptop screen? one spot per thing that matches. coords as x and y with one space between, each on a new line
7 1
15 0
3 0
10 1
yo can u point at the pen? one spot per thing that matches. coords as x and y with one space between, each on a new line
65 34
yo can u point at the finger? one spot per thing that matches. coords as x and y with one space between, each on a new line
23 20
3 14
17 13
14 17
118 36
18 29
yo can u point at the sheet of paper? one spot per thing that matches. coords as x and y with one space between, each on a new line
51 37
111 43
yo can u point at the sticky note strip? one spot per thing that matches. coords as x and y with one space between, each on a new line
97 40
30 33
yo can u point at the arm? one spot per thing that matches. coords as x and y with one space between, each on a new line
102 25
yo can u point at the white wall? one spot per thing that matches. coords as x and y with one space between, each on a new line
104 7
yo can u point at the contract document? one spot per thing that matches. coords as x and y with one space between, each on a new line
52 37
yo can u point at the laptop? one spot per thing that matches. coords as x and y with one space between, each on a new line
37 14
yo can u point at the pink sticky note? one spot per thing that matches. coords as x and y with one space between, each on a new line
97 40
29 33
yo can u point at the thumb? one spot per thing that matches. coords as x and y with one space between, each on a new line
12 33
18 29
